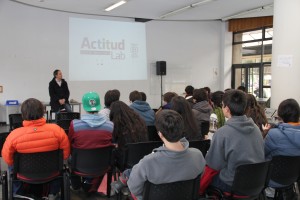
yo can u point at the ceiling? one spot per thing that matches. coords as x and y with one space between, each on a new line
154 9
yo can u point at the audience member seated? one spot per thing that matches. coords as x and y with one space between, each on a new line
35 136
238 142
189 94
284 139
92 131
109 97
191 130
202 109
167 101
255 111
242 88
144 96
216 99
172 162
129 127
142 108
207 89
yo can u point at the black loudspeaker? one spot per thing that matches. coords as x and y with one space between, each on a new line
161 68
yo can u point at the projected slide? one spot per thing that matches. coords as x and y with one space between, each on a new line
106 50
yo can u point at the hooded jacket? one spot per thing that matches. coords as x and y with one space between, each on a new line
236 143
35 136
283 140
91 131
166 166
145 111
204 111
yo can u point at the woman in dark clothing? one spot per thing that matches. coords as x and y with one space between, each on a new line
181 105
129 127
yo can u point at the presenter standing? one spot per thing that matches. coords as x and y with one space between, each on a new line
59 93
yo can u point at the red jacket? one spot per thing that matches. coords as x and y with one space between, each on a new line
35 136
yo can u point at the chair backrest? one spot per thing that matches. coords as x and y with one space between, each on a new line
91 162
3 137
15 121
285 169
204 127
251 179
38 167
202 145
136 151
152 134
180 190
63 119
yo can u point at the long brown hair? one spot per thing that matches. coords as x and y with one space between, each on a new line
128 125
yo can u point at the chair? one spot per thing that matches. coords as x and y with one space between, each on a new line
93 163
3 178
202 145
152 134
39 168
15 121
204 126
285 171
136 151
3 137
64 119
180 190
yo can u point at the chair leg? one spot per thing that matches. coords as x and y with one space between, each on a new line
4 185
109 177
66 186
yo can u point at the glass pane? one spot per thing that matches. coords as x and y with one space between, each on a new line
267 75
269 33
251 52
267 51
253 81
239 77
267 92
248 36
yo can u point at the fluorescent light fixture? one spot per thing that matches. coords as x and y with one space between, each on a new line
247 12
115 5
174 12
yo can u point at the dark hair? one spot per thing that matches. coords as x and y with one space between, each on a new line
111 96
55 72
182 106
144 96
170 124
289 111
255 111
242 88
32 109
128 125
135 95
168 96
236 101
207 90
189 90
216 98
200 95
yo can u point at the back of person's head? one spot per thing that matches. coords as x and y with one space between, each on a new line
168 96
189 90
91 102
144 96
236 101
251 101
289 111
200 95
32 109
207 89
242 88
55 72
110 97
216 98
170 124
135 95
180 105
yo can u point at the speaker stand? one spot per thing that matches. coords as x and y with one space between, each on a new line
161 91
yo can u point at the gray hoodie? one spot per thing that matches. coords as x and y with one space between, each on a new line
236 143
165 166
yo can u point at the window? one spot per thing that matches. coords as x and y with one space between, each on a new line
252 56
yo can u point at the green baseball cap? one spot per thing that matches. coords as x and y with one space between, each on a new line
91 102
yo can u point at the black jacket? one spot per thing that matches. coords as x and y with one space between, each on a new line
57 92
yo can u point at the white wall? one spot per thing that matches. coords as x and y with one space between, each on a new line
34 42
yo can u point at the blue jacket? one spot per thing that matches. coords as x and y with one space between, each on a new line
283 140
145 111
